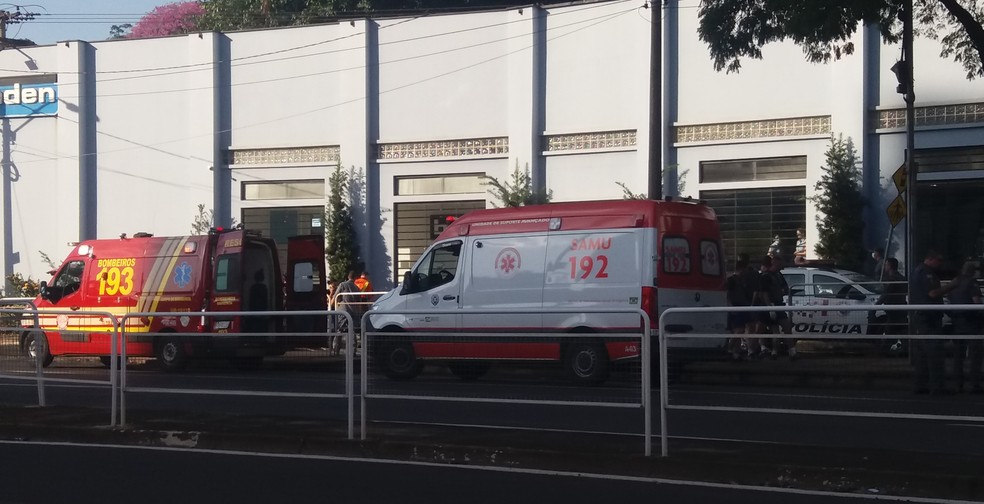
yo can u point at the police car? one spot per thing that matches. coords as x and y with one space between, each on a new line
811 286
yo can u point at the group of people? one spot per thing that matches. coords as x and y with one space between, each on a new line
799 253
763 287
929 358
344 296
755 333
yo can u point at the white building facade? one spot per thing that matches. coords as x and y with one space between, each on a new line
121 136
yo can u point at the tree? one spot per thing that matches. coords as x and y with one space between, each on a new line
840 204
734 29
202 222
681 183
519 192
224 15
120 31
341 251
170 19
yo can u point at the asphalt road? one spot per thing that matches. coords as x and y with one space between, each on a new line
35 473
955 436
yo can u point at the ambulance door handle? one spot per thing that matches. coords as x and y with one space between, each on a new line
449 297
75 308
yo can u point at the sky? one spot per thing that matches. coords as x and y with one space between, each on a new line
76 19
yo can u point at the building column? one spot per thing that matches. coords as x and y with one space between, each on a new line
527 63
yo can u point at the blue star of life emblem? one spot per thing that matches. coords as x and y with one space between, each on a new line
182 275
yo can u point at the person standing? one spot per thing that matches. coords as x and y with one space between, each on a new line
876 264
741 292
776 290
966 292
344 301
799 255
894 291
925 289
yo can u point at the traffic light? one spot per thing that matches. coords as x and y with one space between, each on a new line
901 71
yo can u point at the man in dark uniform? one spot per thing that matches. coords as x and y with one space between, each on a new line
924 289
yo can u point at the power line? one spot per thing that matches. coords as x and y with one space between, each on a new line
158 146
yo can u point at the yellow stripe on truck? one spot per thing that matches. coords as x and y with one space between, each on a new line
167 274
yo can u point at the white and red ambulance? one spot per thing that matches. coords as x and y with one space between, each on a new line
619 254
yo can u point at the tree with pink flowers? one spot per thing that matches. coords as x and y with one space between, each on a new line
170 19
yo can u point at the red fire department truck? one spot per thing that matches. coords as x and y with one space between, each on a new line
178 277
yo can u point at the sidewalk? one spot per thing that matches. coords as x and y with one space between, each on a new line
773 465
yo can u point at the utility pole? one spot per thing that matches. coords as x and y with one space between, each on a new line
911 167
656 101
8 18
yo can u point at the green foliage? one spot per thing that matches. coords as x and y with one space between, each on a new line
518 191
226 15
840 203
341 251
628 194
119 31
734 29
202 222
21 287
681 183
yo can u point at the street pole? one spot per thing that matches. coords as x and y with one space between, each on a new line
911 168
656 101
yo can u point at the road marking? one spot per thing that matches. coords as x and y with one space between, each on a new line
513 470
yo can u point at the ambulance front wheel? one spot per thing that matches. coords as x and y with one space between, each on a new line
34 340
170 353
400 362
586 361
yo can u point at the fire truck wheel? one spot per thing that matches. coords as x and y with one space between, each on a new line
469 370
32 340
400 363
170 353
586 361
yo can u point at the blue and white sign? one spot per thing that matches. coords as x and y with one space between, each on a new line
25 100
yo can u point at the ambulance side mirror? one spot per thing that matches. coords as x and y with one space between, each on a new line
409 283
43 290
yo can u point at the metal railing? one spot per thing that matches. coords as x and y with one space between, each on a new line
664 336
42 349
349 356
642 334
33 312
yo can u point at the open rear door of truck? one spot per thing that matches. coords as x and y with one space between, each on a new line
306 282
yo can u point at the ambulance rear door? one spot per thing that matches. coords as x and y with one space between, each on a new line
305 278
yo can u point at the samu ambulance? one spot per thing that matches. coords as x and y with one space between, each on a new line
177 277
620 254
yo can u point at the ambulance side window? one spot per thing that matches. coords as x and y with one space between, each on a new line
438 268
227 273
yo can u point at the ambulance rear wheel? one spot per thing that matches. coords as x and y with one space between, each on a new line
33 340
170 353
586 361
399 362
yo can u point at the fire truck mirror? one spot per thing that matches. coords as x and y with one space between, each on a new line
43 290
